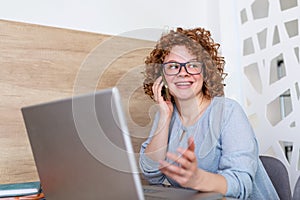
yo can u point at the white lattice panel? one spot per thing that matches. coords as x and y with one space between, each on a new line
270 40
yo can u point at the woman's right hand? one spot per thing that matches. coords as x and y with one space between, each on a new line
165 107
157 147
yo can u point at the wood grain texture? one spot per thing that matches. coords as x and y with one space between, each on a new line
40 64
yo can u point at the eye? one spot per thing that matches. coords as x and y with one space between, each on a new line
194 65
172 66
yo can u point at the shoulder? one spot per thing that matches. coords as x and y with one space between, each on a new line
225 108
227 104
225 101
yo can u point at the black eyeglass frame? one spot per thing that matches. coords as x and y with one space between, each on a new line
183 65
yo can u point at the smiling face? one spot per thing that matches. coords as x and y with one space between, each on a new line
183 86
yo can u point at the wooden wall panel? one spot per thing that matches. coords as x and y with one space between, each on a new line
40 64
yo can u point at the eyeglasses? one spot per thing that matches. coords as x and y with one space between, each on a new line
174 68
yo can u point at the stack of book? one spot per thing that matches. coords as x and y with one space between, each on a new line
20 189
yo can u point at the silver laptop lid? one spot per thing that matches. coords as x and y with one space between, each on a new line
82 148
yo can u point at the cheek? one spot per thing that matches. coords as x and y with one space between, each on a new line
171 87
169 79
200 78
201 83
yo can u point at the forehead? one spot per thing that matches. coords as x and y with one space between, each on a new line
179 54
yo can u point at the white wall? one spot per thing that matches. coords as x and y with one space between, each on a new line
136 18
112 17
230 44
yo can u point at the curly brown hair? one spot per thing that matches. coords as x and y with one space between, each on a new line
199 43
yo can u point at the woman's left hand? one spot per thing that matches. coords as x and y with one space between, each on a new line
187 173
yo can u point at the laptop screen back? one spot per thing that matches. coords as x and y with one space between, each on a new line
82 148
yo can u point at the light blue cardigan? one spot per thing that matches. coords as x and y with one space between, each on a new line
225 144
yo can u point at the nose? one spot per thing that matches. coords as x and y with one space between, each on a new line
183 71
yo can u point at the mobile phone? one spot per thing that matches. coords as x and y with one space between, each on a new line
165 89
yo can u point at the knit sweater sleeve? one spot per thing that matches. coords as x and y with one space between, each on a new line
149 167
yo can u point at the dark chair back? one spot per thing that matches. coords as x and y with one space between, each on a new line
278 175
296 194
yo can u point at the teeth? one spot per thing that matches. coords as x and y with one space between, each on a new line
183 83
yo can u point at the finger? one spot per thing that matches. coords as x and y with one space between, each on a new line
180 179
170 169
191 144
187 154
172 156
156 88
160 85
180 159
174 172
159 79
157 82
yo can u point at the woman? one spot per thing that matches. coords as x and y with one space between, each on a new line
199 139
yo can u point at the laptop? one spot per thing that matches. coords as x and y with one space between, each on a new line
82 150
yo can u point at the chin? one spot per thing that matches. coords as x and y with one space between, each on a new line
185 96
